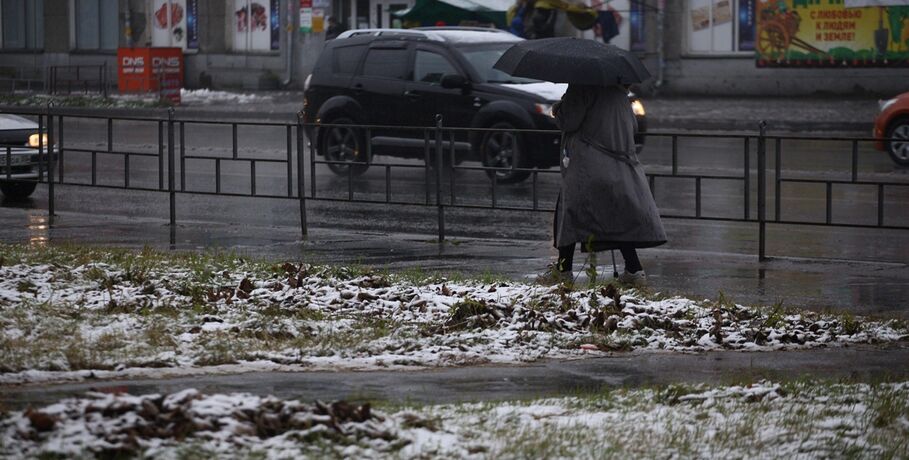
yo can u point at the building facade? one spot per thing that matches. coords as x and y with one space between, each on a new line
691 46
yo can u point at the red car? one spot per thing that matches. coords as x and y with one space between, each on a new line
893 123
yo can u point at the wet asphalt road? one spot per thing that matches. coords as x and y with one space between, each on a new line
720 198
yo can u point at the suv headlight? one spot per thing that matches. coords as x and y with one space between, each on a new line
544 109
36 140
887 103
638 108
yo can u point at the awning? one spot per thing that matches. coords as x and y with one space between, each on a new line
456 12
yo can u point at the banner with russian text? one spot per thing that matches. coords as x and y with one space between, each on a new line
825 33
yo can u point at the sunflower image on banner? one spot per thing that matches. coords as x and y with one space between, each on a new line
830 33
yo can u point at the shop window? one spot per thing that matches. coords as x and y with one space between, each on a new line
175 23
720 26
22 24
256 25
96 24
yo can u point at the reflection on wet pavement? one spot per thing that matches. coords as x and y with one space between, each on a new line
37 229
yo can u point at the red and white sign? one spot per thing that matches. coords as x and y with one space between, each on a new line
145 70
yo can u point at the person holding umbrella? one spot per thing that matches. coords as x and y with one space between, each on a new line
604 202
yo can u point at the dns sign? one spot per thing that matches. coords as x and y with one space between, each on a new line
145 70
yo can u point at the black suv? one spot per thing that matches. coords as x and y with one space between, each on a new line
404 77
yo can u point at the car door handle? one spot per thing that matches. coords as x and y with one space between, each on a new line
412 94
358 88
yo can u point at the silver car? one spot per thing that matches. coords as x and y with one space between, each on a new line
19 142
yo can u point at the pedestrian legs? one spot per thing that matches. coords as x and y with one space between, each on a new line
632 263
566 258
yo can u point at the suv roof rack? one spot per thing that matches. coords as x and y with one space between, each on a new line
462 28
389 32
429 33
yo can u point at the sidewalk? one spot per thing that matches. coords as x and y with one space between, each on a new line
833 114
490 383
692 270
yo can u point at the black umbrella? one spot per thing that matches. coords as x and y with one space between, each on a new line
572 60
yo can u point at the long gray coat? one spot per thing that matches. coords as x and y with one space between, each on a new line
605 198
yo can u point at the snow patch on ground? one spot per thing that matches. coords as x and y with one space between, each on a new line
143 316
761 420
208 97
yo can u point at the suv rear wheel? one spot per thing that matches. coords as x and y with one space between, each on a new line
16 190
344 144
504 148
898 148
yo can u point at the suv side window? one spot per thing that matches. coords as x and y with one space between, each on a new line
386 63
429 67
346 59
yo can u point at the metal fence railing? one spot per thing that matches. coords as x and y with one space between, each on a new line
758 196
81 79
13 79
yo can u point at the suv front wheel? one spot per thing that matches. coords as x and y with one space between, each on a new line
344 144
504 148
16 190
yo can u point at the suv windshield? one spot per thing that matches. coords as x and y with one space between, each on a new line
483 57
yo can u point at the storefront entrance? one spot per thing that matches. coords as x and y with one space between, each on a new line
377 13
382 10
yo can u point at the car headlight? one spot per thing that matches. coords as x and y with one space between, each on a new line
637 108
33 140
544 109
884 104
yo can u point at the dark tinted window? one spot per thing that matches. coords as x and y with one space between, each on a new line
483 57
346 59
386 63
430 67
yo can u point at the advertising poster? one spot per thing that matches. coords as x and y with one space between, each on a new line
192 24
252 26
700 18
636 24
318 20
746 25
169 23
722 11
803 33
275 24
306 16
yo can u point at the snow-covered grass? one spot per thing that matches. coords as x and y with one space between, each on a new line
198 97
78 100
761 420
75 313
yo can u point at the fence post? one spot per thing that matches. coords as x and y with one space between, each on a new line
41 149
762 191
50 165
171 181
301 186
439 205
104 88
60 148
